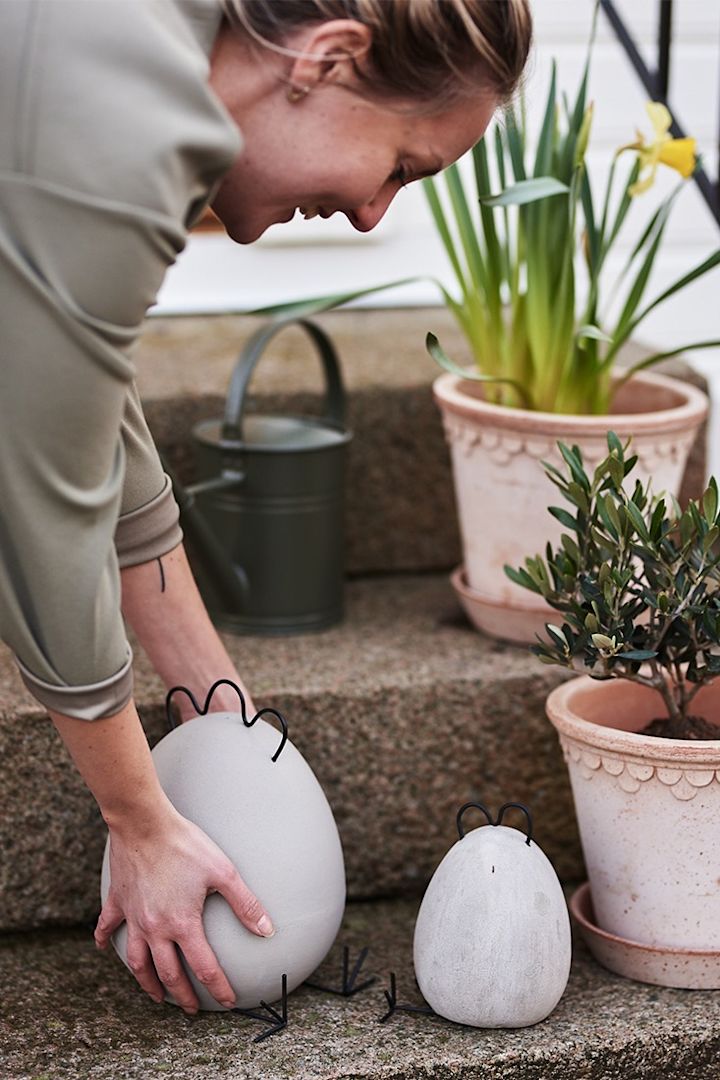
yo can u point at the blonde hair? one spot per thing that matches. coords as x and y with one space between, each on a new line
434 51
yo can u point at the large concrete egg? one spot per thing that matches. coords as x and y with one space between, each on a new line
492 938
271 818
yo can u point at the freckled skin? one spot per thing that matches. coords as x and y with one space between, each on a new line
332 150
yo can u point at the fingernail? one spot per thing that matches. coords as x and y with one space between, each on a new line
158 998
229 1004
265 927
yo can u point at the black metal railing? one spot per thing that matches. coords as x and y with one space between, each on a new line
657 83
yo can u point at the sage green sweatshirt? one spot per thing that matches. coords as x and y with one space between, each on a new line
111 142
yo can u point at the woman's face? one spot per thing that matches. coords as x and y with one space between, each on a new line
330 152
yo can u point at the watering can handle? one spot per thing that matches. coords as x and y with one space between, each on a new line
249 357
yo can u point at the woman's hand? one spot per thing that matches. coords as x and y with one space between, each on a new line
162 866
160 878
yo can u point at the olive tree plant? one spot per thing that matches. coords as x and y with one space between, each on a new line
638 582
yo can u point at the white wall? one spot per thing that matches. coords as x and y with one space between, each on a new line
308 258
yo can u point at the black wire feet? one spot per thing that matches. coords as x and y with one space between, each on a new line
278 1020
348 987
393 1007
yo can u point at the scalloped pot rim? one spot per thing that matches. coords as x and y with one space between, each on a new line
566 703
692 406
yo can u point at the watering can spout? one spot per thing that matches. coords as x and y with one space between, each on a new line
228 578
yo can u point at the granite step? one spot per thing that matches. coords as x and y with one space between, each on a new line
71 1013
400 509
403 711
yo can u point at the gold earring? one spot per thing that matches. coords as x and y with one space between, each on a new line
297 93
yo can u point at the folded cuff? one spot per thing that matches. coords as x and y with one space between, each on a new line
94 702
150 531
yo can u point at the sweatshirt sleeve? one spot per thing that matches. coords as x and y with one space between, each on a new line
148 526
75 278
109 137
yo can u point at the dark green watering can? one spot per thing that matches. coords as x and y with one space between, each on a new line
266 513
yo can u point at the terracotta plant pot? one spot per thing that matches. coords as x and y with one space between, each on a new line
648 812
503 493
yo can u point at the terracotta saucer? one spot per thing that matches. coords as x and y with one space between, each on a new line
686 969
508 621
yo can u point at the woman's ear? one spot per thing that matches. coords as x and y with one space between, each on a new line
330 51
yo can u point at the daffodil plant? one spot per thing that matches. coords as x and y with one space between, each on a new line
515 260
515 254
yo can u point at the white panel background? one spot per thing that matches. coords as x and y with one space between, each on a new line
309 258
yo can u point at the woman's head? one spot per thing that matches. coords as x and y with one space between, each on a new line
342 102
431 51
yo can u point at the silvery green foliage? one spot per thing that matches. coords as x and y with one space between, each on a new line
636 578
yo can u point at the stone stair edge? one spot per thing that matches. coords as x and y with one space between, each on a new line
71 1013
410 627
465 721
380 349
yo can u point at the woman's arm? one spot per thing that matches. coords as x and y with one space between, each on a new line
162 866
161 602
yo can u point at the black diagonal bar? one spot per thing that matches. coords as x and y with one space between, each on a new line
656 84
664 48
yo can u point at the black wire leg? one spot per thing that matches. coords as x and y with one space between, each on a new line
349 978
393 1007
279 1019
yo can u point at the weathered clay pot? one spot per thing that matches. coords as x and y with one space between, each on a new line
648 812
503 493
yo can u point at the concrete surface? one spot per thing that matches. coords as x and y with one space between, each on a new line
400 508
70 1013
403 711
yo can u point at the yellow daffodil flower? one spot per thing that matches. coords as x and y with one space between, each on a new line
679 154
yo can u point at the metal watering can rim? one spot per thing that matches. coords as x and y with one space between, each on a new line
211 433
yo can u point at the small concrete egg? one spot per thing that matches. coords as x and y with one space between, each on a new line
492 940
272 819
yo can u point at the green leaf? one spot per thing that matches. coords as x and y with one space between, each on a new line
614 444
538 573
608 513
637 654
710 501
515 144
315 305
571 548
466 228
650 361
563 517
657 520
439 355
443 229
591 332
543 157
711 538
574 460
527 191
494 261
708 264
616 470
626 322
624 206
557 634
637 520
578 495
520 577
